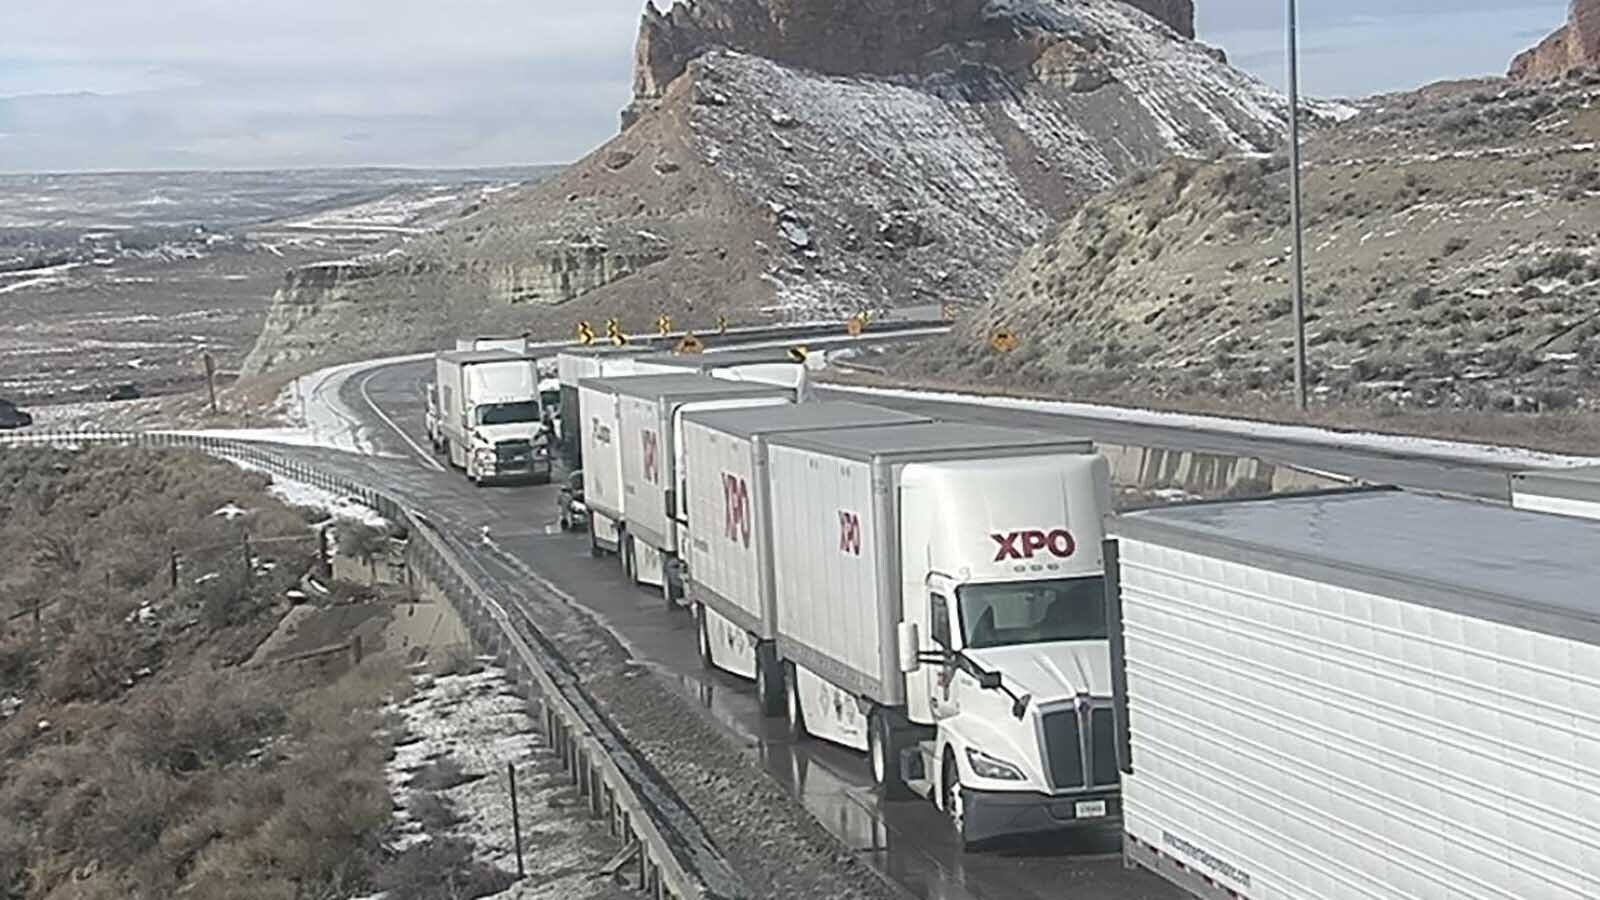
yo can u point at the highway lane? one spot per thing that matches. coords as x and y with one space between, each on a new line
911 841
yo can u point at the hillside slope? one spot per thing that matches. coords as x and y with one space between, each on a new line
1453 262
752 187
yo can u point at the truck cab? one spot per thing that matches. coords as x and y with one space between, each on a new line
487 414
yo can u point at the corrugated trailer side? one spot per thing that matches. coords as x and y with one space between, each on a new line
725 531
832 556
1362 696
602 450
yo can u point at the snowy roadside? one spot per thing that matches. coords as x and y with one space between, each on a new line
1480 454
455 736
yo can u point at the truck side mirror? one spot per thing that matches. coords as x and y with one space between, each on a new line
910 648
989 681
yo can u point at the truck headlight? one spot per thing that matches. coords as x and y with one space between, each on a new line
485 455
987 766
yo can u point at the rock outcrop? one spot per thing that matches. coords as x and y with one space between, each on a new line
1575 45
891 153
857 37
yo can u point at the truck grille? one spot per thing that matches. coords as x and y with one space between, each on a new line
511 453
1064 748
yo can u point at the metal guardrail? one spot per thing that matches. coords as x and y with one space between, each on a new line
675 858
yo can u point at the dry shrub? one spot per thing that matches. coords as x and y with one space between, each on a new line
433 812
206 719
441 869
91 664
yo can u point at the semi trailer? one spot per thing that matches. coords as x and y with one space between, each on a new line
485 415
729 546
1567 492
1363 694
517 345
939 604
572 367
631 472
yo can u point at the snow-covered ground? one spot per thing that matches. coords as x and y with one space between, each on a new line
479 724
338 506
1490 454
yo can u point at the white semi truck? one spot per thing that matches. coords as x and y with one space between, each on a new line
517 345
631 471
1566 492
486 416
1360 695
729 551
939 604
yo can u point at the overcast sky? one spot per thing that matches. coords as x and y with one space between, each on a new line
138 84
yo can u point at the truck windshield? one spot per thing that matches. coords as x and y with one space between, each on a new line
1032 612
508 413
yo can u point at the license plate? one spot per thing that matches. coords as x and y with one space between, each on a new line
1089 809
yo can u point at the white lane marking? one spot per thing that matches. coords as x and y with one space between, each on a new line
423 454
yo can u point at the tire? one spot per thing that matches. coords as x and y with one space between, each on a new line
950 798
794 716
769 681
703 637
883 756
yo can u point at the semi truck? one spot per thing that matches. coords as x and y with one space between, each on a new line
729 546
1567 492
631 472
485 415
1365 694
572 367
939 604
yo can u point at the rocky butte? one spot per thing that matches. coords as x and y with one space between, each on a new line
1575 45
791 159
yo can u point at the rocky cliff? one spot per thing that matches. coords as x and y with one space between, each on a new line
865 37
842 164
1575 45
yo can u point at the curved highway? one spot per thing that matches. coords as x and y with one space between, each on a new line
910 842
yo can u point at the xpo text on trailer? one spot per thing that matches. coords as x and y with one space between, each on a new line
1360 695
631 471
940 605
729 542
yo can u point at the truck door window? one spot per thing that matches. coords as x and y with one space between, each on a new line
939 620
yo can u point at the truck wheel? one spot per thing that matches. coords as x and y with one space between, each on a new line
883 754
950 798
703 637
769 681
793 714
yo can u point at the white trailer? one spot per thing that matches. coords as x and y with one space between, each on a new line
940 605
486 415
649 410
517 345
729 541
573 366
1360 695
1566 492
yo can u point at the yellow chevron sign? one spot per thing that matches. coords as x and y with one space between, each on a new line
722 324
585 334
664 325
799 354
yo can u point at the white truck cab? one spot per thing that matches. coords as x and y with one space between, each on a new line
940 605
487 417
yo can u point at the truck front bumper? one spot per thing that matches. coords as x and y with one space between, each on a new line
993 814
538 470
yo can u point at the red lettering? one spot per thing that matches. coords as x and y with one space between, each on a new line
849 533
1024 544
736 507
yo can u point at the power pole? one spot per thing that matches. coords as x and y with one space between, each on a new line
1295 223
211 379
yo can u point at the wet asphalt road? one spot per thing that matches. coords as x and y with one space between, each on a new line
910 841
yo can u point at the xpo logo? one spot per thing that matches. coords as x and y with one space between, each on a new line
849 533
736 507
652 456
1025 544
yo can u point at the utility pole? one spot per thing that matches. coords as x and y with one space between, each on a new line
211 379
1295 223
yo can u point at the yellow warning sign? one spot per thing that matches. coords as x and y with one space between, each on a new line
1003 341
947 312
722 324
690 345
664 325
585 333
855 326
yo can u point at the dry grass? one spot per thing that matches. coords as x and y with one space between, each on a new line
165 769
